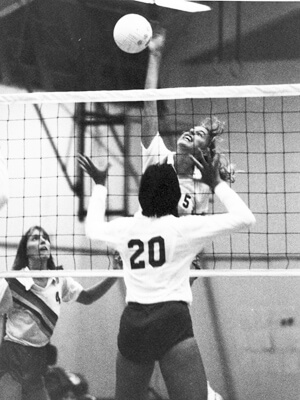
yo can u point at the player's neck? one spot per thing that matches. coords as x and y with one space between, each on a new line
41 281
183 165
38 264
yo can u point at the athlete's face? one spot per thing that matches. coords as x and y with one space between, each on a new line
196 138
38 245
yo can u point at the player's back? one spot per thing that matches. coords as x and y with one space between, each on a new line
156 258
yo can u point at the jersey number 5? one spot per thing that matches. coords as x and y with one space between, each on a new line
156 242
186 201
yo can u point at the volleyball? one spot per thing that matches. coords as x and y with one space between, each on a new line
132 33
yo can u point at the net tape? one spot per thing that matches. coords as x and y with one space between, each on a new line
154 94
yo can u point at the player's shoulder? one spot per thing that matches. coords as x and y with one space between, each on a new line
188 221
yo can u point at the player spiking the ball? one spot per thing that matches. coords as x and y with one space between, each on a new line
200 138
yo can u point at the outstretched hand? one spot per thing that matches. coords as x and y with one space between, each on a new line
98 175
209 168
157 41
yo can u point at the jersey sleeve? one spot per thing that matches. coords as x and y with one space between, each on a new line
5 296
71 289
3 287
156 153
96 227
237 217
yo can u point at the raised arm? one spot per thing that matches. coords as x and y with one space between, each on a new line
95 217
97 204
96 227
150 117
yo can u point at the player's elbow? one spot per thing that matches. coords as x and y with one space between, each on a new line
244 220
96 231
249 219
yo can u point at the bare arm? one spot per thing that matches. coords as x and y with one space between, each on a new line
150 118
95 219
94 293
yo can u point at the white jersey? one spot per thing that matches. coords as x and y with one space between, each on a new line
5 296
3 288
36 309
157 252
194 193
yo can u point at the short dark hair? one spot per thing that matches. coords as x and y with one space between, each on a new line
21 259
159 192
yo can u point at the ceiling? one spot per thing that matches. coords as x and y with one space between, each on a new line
275 40
67 45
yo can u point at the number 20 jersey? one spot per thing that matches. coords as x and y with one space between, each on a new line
157 252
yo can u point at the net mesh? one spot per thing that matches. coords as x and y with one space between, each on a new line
42 133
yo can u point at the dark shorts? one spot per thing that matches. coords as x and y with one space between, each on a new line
26 364
148 331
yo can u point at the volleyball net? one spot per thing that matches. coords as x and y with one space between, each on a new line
42 134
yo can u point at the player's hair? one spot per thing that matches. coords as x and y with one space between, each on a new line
214 126
21 259
159 191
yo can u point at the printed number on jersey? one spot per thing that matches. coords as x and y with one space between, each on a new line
153 252
186 201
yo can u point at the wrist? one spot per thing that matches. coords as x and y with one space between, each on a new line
215 184
156 53
99 182
100 179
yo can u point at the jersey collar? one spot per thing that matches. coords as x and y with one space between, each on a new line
29 282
